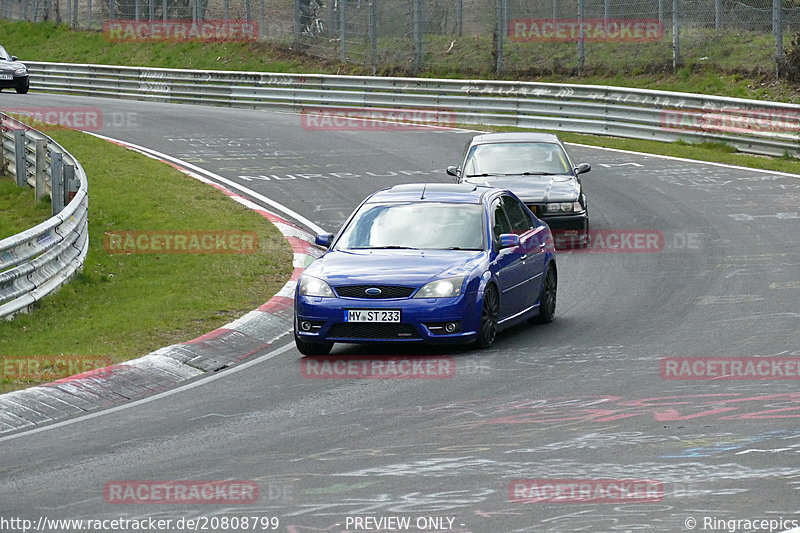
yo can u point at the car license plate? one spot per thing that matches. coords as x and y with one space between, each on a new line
372 315
6 76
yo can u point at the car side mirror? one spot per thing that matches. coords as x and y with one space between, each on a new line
454 171
324 239
583 168
509 240
13 58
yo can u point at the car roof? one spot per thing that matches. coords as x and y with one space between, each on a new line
433 192
517 136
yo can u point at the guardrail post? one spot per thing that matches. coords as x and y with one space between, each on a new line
40 170
373 33
71 185
676 34
19 158
56 181
343 28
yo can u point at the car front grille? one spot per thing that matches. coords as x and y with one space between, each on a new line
387 291
363 330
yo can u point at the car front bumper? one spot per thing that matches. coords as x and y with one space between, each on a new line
422 320
578 221
14 82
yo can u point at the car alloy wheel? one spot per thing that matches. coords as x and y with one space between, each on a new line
547 303
489 312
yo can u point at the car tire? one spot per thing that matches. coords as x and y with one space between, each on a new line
583 235
24 88
312 348
490 309
547 300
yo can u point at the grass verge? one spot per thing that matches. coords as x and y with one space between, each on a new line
123 306
20 209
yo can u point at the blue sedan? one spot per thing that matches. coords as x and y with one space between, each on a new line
434 263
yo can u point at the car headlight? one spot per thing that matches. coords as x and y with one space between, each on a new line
564 207
311 286
441 288
22 70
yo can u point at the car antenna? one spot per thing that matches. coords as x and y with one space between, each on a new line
424 186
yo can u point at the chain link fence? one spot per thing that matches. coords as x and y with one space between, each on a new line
511 37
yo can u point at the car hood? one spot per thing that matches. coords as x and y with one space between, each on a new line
10 66
559 188
393 267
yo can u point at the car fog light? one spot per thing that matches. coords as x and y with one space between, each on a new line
450 327
305 325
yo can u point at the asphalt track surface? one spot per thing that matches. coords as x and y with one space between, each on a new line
582 398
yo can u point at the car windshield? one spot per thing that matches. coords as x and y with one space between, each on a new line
415 225
4 55
514 158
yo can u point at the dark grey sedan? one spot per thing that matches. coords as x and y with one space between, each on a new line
535 167
13 74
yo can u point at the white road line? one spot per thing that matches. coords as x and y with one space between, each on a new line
202 381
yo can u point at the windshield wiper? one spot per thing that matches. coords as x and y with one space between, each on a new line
539 174
460 248
391 247
485 175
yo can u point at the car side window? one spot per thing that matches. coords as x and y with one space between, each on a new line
500 224
517 216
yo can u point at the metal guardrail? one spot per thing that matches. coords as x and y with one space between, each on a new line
753 126
39 260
